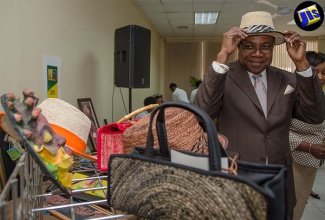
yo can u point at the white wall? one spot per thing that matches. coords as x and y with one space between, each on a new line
81 33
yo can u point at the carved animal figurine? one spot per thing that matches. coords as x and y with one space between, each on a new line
45 146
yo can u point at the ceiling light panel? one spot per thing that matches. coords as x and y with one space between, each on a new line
206 17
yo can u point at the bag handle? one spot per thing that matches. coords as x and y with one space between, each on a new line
214 146
138 111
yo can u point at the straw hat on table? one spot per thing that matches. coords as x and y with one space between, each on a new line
70 122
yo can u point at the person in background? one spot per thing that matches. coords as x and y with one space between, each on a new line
254 101
179 95
321 76
160 98
193 93
307 145
147 101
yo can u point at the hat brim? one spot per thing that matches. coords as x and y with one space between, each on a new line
83 155
278 36
6 126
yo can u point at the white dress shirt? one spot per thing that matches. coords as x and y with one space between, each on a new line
192 97
179 95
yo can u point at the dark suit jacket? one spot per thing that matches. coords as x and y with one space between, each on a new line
232 99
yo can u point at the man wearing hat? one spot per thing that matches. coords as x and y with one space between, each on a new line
253 101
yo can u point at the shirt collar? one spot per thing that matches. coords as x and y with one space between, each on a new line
263 73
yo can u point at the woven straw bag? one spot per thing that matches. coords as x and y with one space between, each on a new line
178 122
162 189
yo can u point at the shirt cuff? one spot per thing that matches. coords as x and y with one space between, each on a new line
307 73
219 67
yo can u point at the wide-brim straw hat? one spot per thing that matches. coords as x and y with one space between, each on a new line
6 126
261 23
183 132
70 122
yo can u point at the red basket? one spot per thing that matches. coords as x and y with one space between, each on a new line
109 142
109 139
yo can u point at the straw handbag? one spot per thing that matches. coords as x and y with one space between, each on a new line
147 184
178 122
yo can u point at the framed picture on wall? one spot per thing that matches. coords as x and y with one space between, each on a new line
86 106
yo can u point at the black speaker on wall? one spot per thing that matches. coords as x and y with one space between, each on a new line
132 57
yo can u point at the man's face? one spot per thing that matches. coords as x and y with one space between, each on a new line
256 61
172 89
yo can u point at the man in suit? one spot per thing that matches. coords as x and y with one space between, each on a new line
253 101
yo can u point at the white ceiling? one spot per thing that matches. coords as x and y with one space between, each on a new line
169 16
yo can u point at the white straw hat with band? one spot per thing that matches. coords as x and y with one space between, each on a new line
261 23
70 122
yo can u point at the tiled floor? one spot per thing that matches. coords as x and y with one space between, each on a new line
315 208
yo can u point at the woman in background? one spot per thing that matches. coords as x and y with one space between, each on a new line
321 76
307 145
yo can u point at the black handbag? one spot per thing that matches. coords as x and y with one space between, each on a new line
147 184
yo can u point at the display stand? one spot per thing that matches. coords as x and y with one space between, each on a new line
32 170
30 205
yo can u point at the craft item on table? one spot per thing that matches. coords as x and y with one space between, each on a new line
94 195
7 165
178 122
136 112
109 139
14 151
109 142
6 126
85 163
70 122
86 184
15 148
178 191
44 145
81 212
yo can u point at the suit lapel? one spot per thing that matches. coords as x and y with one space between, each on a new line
273 84
240 76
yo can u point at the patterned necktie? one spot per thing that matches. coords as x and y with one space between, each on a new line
260 90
